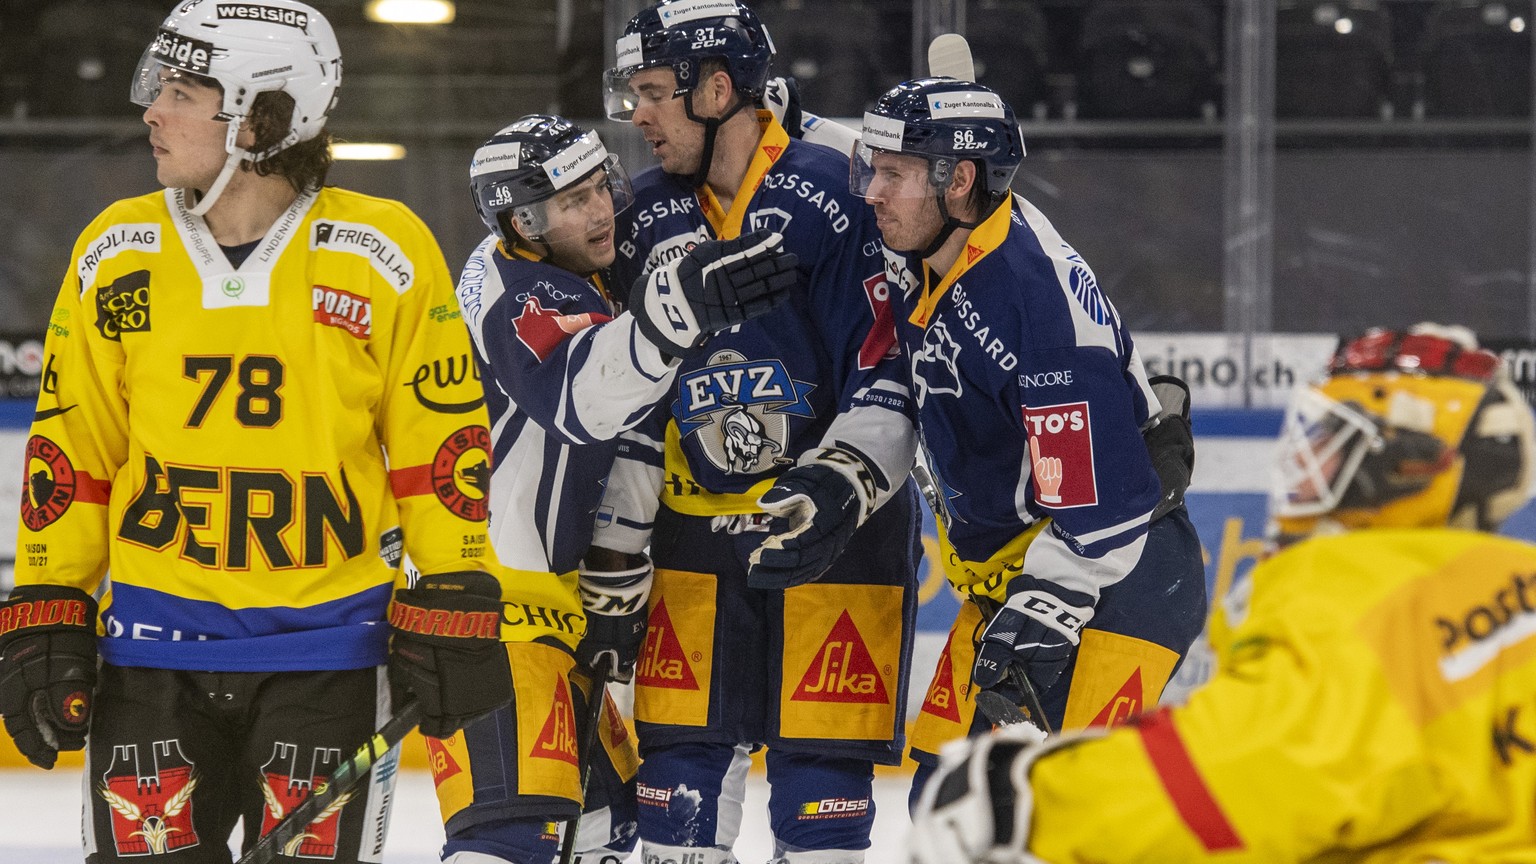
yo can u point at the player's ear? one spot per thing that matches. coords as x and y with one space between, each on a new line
718 91
962 183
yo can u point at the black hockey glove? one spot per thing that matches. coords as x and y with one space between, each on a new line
614 588
717 285
815 511
446 648
1038 628
1171 443
47 669
978 805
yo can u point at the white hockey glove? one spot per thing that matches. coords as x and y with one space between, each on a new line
978 806
783 99
1038 628
717 285
816 506
614 588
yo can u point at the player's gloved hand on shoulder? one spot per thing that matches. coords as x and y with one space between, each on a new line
783 99
445 647
47 669
614 588
978 805
816 507
1170 442
1038 628
717 285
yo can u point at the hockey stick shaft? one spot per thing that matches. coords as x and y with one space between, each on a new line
1016 676
587 754
347 776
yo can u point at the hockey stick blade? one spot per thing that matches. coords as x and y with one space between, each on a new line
998 710
586 754
949 55
347 776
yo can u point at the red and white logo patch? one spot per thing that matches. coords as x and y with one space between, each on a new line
542 330
880 342
1061 455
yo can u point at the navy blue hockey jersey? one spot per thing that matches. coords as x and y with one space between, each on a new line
1031 402
563 377
821 370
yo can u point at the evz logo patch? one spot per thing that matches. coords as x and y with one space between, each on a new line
740 411
1061 455
935 369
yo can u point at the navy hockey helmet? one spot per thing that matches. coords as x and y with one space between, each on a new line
945 121
518 170
681 34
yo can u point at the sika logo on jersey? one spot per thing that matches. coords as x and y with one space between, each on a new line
557 740
151 803
739 411
440 759
542 330
285 782
1061 453
663 663
942 700
843 670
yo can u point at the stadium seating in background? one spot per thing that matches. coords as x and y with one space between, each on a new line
1149 59
831 49
1333 59
1011 48
1476 59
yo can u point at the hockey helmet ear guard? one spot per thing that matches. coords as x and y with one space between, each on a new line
680 35
1411 429
249 49
543 176
943 121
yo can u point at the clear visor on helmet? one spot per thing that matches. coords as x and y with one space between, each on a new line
587 205
152 76
875 173
1321 447
627 88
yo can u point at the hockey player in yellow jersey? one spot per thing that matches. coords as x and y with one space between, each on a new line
258 401
1374 705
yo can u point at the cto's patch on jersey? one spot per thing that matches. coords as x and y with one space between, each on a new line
461 472
1061 454
50 484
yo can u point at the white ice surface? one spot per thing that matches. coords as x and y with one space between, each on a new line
40 820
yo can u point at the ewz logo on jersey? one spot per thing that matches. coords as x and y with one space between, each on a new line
740 410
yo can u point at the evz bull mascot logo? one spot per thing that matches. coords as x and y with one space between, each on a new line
740 411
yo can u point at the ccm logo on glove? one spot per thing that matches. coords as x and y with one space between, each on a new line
1039 604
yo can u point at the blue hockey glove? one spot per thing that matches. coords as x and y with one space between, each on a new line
816 510
1038 628
446 648
47 669
717 285
614 588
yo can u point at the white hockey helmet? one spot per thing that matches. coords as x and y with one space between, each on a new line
250 48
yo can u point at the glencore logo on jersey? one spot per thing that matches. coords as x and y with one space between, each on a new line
270 14
130 236
365 240
182 52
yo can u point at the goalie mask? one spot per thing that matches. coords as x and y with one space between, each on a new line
537 180
1410 429
248 49
943 121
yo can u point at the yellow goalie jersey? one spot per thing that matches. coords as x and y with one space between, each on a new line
1378 705
247 451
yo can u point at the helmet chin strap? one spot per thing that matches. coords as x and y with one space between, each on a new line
237 154
711 130
946 229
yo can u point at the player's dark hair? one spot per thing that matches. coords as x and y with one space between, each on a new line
305 164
